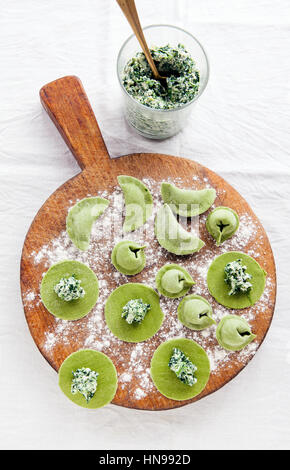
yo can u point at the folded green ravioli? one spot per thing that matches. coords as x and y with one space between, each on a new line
195 312
187 202
88 378
138 202
222 223
233 333
172 236
128 257
172 280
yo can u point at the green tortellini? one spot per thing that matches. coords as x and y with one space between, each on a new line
187 202
233 333
195 312
138 202
222 223
172 236
80 220
173 281
128 257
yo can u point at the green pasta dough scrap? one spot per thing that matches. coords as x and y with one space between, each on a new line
195 312
234 333
80 220
173 280
172 236
222 223
138 202
187 202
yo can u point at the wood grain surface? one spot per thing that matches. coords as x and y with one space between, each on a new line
68 106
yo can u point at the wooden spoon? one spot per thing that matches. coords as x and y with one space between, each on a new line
128 7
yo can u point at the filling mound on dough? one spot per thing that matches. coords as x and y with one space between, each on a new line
237 277
84 381
69 288
183 368
135 311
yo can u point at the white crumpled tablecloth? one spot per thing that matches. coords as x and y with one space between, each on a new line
240 129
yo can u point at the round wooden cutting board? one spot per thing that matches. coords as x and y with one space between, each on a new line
68 106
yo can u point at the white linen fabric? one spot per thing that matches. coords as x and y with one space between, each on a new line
240 129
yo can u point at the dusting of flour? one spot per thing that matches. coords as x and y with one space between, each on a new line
133 360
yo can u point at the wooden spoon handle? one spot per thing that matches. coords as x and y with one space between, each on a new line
128 7
68 106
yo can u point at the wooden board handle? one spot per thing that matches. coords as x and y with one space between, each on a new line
67 104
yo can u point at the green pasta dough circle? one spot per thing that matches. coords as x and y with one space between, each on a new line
74 309
133 333
195 312
166 380
128 257
173 280
219 289
233 333
107 381
172 236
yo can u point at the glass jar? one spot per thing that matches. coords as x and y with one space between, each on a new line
161 123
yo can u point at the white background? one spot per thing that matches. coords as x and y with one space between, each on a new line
240 129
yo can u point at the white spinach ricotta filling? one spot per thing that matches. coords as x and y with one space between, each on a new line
135 310
237 277
85 382
69 288
180 70
183 368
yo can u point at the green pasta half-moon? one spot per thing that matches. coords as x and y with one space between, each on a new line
172 236
138 202
80 220
187 202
